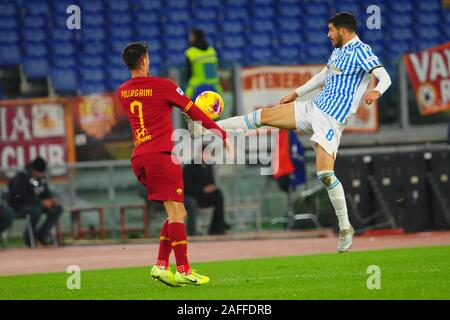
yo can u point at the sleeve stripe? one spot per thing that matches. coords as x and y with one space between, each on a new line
189 105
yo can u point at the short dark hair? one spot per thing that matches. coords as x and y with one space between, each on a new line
133 53
39 164
344 20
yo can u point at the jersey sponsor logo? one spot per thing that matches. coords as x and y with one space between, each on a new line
180 91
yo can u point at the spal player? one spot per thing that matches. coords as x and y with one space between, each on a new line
344 81
148 103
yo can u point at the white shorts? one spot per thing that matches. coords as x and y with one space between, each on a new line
325 130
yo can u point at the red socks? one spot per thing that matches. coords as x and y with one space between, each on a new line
178 241
164 246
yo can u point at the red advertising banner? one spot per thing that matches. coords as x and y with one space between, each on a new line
32 128
429 71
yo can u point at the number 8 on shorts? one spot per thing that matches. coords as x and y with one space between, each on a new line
330 134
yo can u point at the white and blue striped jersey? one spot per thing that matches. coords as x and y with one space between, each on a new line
348 76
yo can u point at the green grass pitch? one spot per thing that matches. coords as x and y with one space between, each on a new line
415 273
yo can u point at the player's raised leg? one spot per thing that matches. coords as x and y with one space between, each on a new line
281 116
178 240
325 173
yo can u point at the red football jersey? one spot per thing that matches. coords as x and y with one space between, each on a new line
148 103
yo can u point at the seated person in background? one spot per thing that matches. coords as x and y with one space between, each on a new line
191 209
199 184
29 194
6 218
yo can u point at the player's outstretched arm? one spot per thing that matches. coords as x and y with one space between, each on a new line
315 82
384 82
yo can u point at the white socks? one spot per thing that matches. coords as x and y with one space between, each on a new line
248 122
337 196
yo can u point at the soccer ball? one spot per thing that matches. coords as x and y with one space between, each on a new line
211 103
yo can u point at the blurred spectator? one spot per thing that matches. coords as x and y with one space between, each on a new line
191 208
199 184
6 217
201 66
29 194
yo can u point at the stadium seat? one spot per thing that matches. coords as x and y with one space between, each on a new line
94 61
263 25
233 41
36 22
175 58
428 33
237 3
92 47
317 53
400 19
63 48
119 19
370 36
64 80
92 6
8 23
37 50
289 24
63 61
231 55
35 68
289 11
175 30
9 37
401 6
8 9
316 8
59 7
115 60
146 17
93 20
423 44
93 34
312 38
260 39
154 5
120 32
207 14
264 12
37 7
116 46
176 43
290 39
91 74
401 34
232 13
177 16
258 55
210 4
316 23
180 4
428 6
118 6
34 35
233 26
10 54
92 87
289 55
59 34
427 19
116 76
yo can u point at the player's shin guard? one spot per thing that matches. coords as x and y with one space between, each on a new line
164 246
248 122
178 241
337 196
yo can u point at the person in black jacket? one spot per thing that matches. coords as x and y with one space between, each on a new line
6 217
29 194
199 183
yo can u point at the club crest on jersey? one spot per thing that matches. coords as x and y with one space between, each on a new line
335 70
180 91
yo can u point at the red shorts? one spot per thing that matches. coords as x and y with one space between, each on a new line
160 175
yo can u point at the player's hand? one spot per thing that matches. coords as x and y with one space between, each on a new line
372 96
289 98
229 148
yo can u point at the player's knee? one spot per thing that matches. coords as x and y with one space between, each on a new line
327 178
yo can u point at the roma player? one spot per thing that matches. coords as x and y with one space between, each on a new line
148 103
